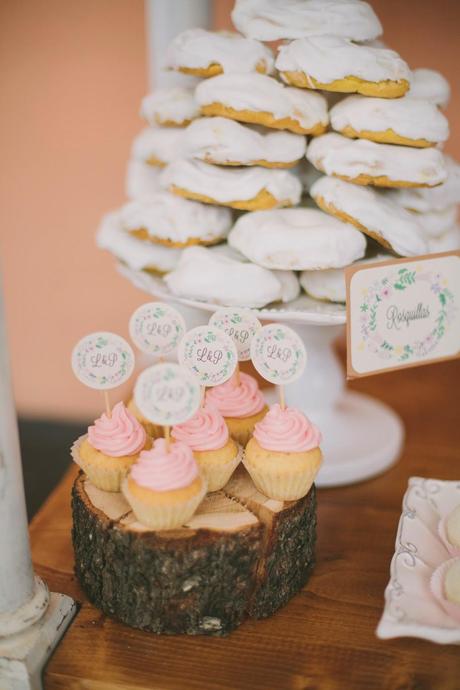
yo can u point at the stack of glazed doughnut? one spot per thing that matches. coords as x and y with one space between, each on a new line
228 162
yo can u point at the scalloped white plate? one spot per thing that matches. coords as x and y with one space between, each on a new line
410 609
301 310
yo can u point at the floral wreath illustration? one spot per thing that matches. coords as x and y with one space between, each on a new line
378 295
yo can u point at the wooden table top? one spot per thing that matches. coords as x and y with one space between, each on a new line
324 638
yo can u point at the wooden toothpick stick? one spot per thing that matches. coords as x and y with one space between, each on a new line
237 373
108 409
167 430
282 399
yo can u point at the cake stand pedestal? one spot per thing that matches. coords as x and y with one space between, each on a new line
362 437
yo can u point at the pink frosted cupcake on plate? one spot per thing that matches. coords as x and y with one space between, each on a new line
217 455
283 456
241 404
164 487
111 446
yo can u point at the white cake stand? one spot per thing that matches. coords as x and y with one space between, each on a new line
362 436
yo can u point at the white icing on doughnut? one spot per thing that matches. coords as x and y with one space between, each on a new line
199 49
327 58
224 141
375 212
330 284
430 85
270 20
232 184
290 286
176 105
259 93
142 180
436 223
335 154
447 242
170 217
408 117
165 144
436 199
135 253
296 239
205 275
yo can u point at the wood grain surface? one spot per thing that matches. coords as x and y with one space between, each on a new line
324 638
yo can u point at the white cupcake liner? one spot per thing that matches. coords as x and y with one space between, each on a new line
163 517
282 486
219 474
106 479
437 589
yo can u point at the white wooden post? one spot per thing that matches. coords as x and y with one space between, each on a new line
31 620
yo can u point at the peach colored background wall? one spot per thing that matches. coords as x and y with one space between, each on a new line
73 73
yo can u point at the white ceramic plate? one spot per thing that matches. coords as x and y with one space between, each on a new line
410 609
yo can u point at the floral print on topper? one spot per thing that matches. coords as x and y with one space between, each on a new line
166 394
102 360
241 325
278 354
156 328
209 354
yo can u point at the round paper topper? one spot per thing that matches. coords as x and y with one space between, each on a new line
241 325
167 394
102 360
278 354
156 328
209 354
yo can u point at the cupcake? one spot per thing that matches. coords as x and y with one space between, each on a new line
216 453
283 457
241 404
152 429
112 445
164 487
445 586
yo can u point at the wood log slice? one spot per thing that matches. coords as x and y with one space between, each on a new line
240 555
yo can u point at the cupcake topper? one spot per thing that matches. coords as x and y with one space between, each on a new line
279 355
240 325
156 328
209 354
103 360
167 394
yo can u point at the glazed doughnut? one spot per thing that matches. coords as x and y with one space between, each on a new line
371 212
447 242
436 199
242 188
260 100
172 221
211 277
330 284
174 107
383 165
142 180
436 223
207 53
404 121
158 145
135 253
270 20
296 239
336 64
430 85
226 142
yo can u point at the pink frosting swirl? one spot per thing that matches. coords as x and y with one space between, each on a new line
206 430
162 470
233 400
287 431
118 435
